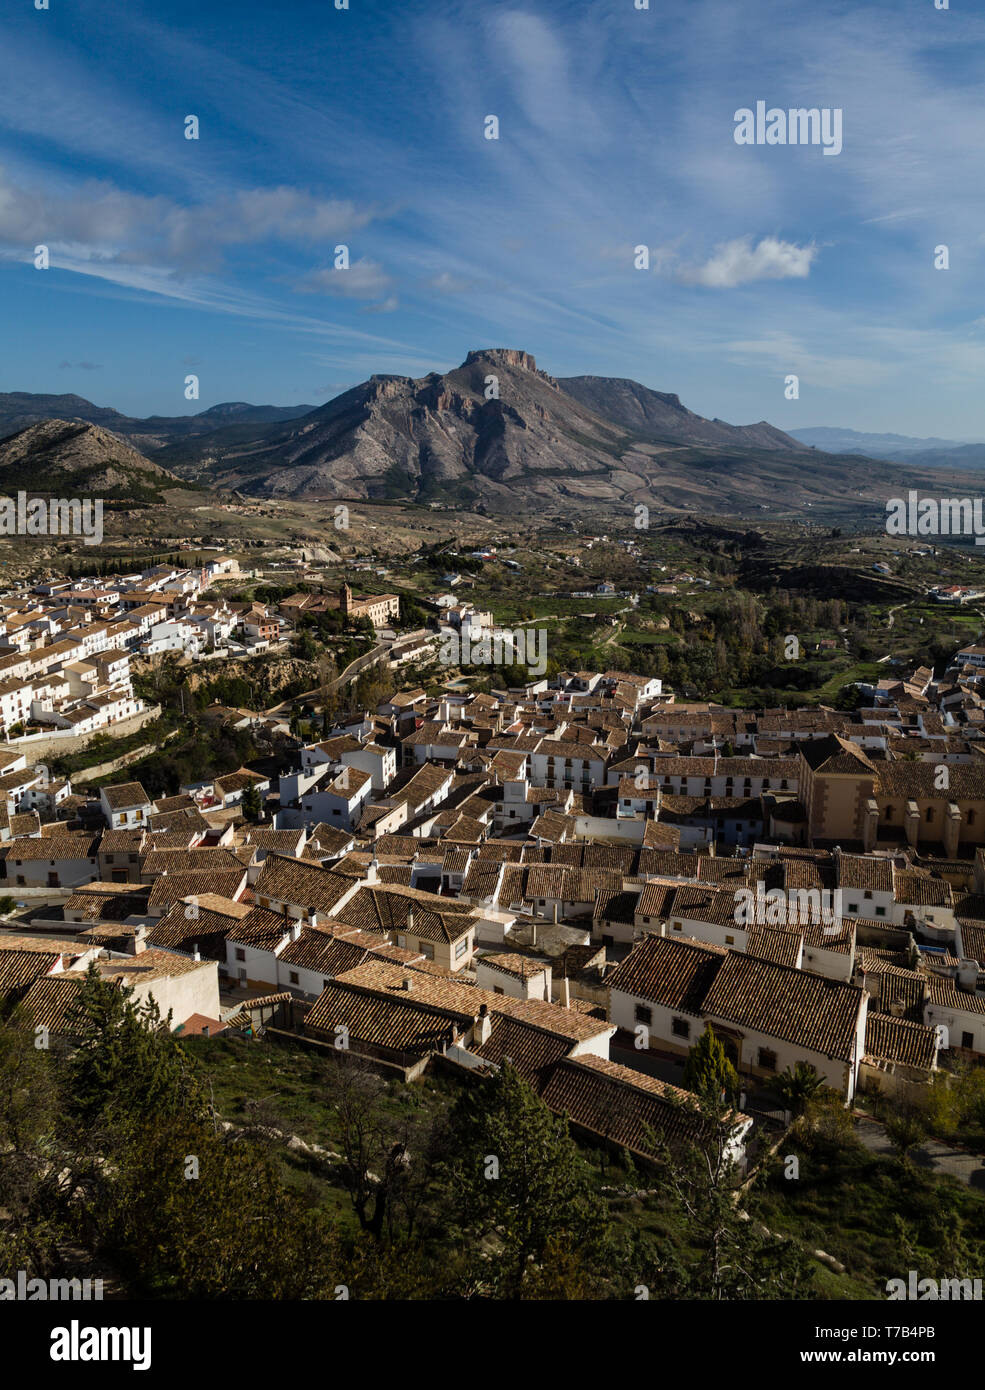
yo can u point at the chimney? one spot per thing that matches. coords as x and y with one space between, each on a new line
139 940
483 1026
564 993
555 914
196 953
410 919
533 931
295 931
408 982
205 1030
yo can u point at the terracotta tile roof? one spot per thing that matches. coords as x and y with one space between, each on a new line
945 994
864 872
283 879
176 887
18 969
899 1040
922 891
50 1000
623 1106
391 1022
126 796
457 995
774 944
531 1050
674 972
516 966
807 1010
387 909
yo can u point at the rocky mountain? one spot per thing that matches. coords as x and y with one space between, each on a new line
70 458
502 435
499 433
657 415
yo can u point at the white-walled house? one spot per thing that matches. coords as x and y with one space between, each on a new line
768 1016
126 806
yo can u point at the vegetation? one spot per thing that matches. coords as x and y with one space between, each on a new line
226 1168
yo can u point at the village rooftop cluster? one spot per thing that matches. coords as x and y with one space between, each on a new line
550 874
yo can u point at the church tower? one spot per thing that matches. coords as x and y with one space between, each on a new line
345 600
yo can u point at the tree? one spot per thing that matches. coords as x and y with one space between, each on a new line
905 1131
252 809
520 1188
194 1215
128 1065
707 1069
728 1256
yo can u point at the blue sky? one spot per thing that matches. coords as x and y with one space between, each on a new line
365 127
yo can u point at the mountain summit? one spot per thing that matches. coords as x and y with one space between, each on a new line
496 430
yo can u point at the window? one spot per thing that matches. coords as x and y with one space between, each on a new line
880 912
642 1013
461 947
767 1059
240 954
678 927
967 1040
730 941
293 977
929 815
680 1028
427 950
498 989
853 907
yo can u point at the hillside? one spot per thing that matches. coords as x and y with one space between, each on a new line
72 458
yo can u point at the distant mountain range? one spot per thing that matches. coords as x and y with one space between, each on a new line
927 453
503 436
21 408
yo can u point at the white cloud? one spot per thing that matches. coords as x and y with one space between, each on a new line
738 262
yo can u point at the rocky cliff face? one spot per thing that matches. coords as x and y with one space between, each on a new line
661 415
492 424
500 433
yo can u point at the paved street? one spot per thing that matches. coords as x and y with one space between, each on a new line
940 1157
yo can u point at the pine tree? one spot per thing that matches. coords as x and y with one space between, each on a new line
707 1069
128 1065
519 1179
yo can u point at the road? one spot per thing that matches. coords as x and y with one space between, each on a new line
939 1157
